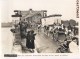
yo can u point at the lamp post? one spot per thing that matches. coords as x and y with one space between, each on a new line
16 19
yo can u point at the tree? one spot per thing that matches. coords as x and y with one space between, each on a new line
72 22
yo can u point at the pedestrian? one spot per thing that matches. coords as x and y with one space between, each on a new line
47 29
55 35
32 40
62 26
28 45
39 26
69 28
22 30
66 31
66 45
25 26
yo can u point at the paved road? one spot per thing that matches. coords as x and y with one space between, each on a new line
45 44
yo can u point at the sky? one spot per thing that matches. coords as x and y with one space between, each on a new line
65 7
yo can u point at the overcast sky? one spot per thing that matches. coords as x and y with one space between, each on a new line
65 7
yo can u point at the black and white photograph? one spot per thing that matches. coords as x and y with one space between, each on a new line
40 26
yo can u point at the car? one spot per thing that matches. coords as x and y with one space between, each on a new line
61 31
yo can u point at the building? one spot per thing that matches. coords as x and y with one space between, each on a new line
32 17
49 20
16 17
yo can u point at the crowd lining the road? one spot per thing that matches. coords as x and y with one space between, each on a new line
55 30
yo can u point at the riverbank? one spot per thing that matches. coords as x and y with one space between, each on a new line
6 40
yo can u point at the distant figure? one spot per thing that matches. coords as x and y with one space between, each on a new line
66 31
45 28
62 26
32 39
26 26
39 26
69 27
55 35
28 40
64 48
13 29
66 44
22 30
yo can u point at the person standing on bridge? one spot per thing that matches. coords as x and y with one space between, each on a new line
26 26
30 40
23 28
39 27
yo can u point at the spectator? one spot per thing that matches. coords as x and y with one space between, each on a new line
23 28
66 31
39 27
69 27
66 45
73 47
30 40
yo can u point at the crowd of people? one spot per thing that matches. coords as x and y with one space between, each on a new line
25 33
55 30
69 46
70 33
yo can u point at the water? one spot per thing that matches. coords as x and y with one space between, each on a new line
6 40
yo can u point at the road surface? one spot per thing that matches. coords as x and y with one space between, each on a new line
43 43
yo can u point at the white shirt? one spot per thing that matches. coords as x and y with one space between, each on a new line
50 28
73 47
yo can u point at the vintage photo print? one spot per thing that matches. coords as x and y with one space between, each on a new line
39 26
